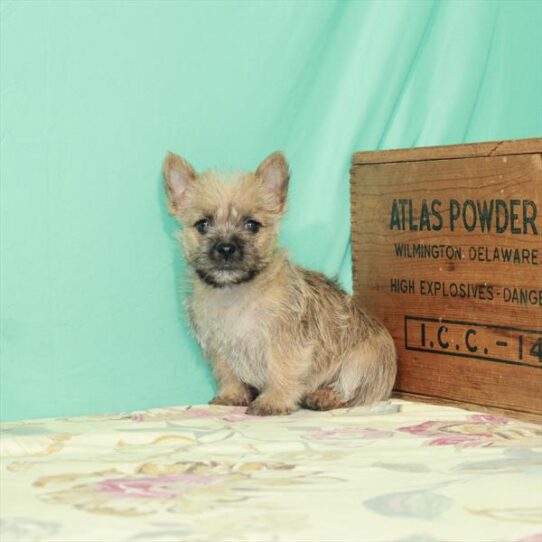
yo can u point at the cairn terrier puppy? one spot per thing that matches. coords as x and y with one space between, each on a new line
278 336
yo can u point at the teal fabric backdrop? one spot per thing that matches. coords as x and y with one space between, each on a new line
94 93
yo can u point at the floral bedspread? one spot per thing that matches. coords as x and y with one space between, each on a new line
398 472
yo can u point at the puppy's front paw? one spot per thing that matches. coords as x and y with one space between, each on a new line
263 407
231 400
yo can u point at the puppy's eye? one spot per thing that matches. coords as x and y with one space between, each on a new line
202 225
252 226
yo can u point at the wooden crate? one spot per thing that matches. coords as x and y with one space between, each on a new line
447 252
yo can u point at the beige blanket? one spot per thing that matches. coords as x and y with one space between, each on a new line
397 472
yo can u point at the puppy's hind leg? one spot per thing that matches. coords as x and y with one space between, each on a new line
367 374
323 399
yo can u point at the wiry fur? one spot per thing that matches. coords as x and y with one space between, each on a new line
278 336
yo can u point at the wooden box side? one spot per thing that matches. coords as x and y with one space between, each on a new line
482 175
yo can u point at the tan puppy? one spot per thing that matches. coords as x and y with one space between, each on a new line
278 336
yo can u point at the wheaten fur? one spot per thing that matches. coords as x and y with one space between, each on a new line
277 336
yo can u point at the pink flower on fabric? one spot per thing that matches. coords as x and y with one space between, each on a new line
419 429
465 441
533 538
433 428
489 418
167 486
476 431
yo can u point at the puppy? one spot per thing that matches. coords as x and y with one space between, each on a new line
278 336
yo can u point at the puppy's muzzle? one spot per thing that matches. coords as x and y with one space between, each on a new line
226 251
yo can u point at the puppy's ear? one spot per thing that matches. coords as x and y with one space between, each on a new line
274 173
179 175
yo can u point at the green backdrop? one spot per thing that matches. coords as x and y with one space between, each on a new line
94 93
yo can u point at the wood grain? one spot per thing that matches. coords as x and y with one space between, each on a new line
477 339
444 152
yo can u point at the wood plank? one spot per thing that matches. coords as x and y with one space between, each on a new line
447 152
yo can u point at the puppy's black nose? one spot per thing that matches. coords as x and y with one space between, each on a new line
226 250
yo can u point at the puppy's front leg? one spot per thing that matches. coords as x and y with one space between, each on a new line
283 388
230 390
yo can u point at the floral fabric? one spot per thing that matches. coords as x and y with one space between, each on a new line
397 472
